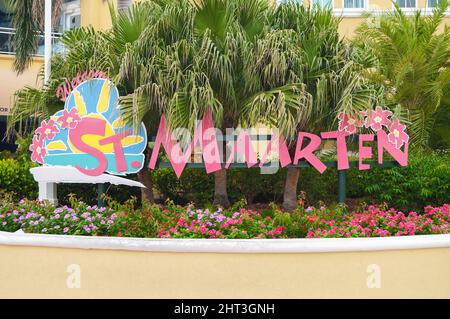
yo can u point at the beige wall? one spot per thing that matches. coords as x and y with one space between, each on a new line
11 82
95 13
42 272
348 26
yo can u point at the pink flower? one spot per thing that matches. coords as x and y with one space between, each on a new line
376 119
47 130
69 119
37 150
397 134
181 222
346 124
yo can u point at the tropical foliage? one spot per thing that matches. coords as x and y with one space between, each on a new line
409 55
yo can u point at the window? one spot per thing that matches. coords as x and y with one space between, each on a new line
323 3
432 3
353 4
6 31
5 15
123 4
406 3
70 15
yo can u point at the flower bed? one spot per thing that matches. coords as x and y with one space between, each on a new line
374 222
187 222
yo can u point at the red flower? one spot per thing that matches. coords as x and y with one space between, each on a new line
397 134
47 130
310 219
37 150
376 119
69 119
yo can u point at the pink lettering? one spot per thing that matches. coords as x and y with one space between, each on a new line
308 152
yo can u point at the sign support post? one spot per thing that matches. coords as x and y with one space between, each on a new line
48 191
342 186
100 192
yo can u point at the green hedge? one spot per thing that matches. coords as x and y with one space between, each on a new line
425 181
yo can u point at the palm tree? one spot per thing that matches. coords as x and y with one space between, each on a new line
212 54
163 68
327 80
228 32
411 60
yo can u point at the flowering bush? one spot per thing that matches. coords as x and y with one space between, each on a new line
374 222
219 224
40 217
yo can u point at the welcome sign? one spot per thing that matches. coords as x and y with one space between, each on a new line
89 134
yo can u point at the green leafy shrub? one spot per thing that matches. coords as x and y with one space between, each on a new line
254 186
425 181
197 187
88 193
15 178
194 186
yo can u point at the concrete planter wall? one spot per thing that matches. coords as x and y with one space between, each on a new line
35 265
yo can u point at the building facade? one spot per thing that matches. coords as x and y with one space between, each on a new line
76 13
353 11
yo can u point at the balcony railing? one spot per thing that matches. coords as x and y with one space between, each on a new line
7 46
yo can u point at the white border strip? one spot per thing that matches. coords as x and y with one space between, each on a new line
304 245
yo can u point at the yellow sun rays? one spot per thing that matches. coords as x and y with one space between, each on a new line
79 103
103 100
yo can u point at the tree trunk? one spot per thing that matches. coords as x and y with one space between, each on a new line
145 177
290 189
220 189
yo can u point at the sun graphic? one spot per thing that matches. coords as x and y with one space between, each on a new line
92 104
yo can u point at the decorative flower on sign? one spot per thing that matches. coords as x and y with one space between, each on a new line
375 120
346 124
37 150
69 119
47 130
349 123
378 118
397 134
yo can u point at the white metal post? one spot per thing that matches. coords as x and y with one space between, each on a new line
47 39
47 191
